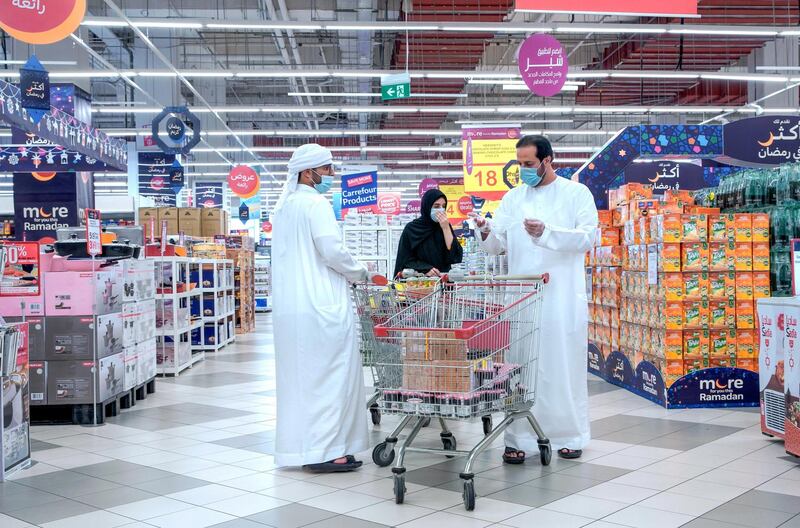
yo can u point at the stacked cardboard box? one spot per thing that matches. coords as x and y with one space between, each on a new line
244 283
191 221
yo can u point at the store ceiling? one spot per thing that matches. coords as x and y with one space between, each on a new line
582 119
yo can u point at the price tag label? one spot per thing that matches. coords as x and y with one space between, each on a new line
94 244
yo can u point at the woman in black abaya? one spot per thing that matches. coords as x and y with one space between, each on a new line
428 244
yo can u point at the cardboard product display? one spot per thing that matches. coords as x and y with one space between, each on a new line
69 338
139 279
146 362
70 382
13 306
212 222
771 365
138 322
82 293
792 375
130 376
36 335
148 215
190 221
38 382
169 215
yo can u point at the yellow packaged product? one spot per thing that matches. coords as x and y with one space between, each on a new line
746 344
744 256
672 228
760 256
673 344
695 314
673 315
744 285
722 343
671 257
695 228
744 227
674 286
695 344
694 256
721 314
721 256
761 286
695 286
760 227
718 228
745 314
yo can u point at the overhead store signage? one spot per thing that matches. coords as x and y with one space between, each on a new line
169 130
602 7
543 64
666 175
154 175
395 86
359 189
31 153
20 270
244 213
389 203
60 128
209 194
414 207
762 141
243 181
459 204
490 159
176 177
34 84
44 203
41 21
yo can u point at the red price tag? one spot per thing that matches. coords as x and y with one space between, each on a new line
94 244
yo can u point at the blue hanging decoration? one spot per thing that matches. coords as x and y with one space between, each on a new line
244 213
169 130
34 84
176 177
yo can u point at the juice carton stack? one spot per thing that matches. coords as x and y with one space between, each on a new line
690 277
604 270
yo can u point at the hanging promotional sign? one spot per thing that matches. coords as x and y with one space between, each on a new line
31 153
490 159
21 270
457 199
666 175
44 203
154 178
209 194
414 207
543 64
243 181
176 177
678 8
388 203
41 21
426 185
34 85
169 130
359 189
796 266
763 141
94 244
244 213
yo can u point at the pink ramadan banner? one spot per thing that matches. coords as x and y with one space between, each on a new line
543 64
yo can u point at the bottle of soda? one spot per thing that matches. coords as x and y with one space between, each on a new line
782 186
754 190
780 225
772 187
794 183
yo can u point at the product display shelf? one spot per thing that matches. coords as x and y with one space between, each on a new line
15 442
374 245
174 322
215 308
244 283
263 283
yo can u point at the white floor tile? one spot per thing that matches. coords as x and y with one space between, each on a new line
384 489
343 501
585 506
220 473
391 512
619 460
638 516
645 479
433 498
248 504
676 503
95 518
298 491
618 492
702 489
445 520
258 482
192 518
490 510
540 518
206 494
781 485
149 508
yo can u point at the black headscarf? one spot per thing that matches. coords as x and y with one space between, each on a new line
422 245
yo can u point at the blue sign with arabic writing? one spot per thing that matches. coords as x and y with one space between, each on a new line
34 85
762 141
666 175
209 194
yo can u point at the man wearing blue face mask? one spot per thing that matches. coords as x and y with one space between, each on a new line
321 420
546 225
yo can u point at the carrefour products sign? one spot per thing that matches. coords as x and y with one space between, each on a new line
359 189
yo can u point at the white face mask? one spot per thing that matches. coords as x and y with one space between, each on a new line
435 212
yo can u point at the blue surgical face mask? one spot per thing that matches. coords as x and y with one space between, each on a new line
435 211
530 176
325 183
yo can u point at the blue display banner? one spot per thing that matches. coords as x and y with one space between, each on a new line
667 175
650 383
44 203
618 370
209 194
34 83
359 190
154 175
244 213
715 387
176 177
596 360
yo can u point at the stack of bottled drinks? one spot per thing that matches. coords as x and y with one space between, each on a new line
776 191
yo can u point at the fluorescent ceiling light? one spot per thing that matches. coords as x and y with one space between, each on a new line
524 88
733 32
515 122
156 74
271 26
176 24
587 75
608 29
375 95
200 74
83 75
744 77
379 27
110 184
654 75
43 62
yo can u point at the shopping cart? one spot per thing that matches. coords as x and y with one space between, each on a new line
376 304
465 351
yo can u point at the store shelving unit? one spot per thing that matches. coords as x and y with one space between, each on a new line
174 323
375 245
215 307
263 282
244 282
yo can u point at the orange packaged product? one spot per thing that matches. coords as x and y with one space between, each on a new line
674 286
694 256
619 215
695 344
744 256
695 314
747 364
718 228
695 228
695 286
744 227
760 256
673 315
672 228
721 314
721 256
746 344
722 343
671 208
726 362
744 286
637 191
745 314
760 227
674 367
609 236
675 195
671 257
605 218
673 344
761 286
643 208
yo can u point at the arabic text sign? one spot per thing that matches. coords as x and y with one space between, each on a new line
763 141
642 7
243 181
41 21
543 64
154 176
208 194
490 159
359 190
21 272
34 84
94 244
455 194
666 175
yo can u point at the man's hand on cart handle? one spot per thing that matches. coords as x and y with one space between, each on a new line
433 273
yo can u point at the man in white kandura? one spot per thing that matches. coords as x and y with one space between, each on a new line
320 385
546 225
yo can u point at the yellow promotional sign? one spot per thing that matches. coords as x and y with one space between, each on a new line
489 156
457 199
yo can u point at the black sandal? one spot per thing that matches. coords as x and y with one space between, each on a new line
332 467
513 456
569 453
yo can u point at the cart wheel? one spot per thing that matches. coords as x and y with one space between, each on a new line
545 454
382 456
469 495
487 424
399 489
449 443
375 412
426 422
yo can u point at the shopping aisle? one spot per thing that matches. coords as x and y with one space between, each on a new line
198 453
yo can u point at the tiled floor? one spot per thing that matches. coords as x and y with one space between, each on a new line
198 453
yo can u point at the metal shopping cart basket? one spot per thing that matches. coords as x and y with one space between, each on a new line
375 305
466 350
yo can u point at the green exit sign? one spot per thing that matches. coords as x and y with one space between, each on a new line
395 87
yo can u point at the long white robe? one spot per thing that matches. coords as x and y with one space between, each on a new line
568 210
320 384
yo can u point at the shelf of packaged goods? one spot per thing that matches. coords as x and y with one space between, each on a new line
162 332
215 318
181 295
